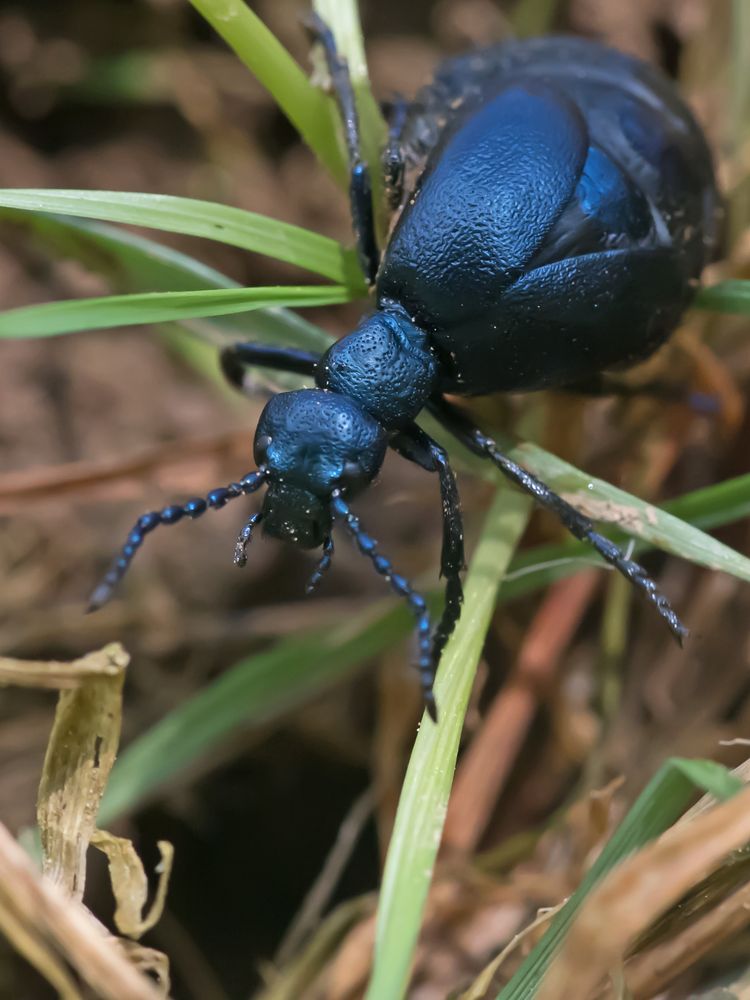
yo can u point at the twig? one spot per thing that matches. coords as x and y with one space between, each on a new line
487 763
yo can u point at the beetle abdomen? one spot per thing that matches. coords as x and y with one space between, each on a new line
566 206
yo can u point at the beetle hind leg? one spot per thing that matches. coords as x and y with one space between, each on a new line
578 524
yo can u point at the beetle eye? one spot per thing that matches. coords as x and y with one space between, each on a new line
262 444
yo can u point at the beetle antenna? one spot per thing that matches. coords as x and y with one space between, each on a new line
169 515
323 565
244 538
417 604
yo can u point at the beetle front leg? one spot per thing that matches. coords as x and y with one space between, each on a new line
578 524
360 185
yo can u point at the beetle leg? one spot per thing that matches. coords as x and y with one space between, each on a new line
360 185
418 447
394 166
169 515
237 357
244 538
401 586
578 524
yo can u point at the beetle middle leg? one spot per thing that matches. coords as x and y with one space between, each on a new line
415 445
360 185
236 358
578 524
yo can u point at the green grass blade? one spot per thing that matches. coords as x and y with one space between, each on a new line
660 805
424 796
131 262
258 688
732 296
205 219
311 111
55 318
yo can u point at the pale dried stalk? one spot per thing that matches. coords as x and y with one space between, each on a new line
42 922
652 971
639 890
80 754
51 674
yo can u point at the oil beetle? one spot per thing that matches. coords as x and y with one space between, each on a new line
554 205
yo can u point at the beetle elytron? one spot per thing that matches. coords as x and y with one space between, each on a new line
562 210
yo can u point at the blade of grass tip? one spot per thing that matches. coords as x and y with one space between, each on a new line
54 318
424 796
731 296
205 219
342 17
660 805
312 112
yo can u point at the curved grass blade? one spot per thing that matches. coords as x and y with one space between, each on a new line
205 219
55 318
658 806
131 262
311 111
424 796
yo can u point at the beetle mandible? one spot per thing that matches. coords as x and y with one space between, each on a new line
563 208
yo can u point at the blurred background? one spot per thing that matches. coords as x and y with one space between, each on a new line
577 686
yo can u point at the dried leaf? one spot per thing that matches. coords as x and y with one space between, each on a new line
637 891
43 923
148 961
51 674
80 754
130 885
652 971
30 943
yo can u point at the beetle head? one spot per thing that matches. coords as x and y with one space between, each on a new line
312 442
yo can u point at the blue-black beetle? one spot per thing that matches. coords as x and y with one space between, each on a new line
555 205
